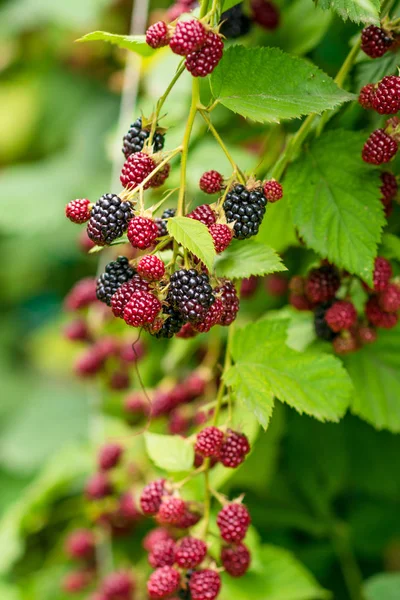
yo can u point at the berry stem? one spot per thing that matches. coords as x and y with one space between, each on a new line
350 569
130 195
162 99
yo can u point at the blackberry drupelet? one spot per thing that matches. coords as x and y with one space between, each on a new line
116 273
109 219
322 328
136 136
245 207
162 223
171 325
191 294
235 23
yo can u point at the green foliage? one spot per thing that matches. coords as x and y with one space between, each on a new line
170 452
335 201
283 86
248 257
134 43
359 11
390 247
384 586
194 236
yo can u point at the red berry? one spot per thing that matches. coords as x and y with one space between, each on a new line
186 332
230 302
209 441
273 190
136 404
234 449
157 35
80 544
341 315
375 42
233 522
386 98
389 299
377 317
188 37
84 242
151 497
119 380
204 214
300 302
248 286
276 285
142 232
221 235
204 585
136 168
379 148
127 508
78 211
89 363
366 335
189 519
118 586
163 582
345 343
265 13
109 456
77 331
190 552
142 308
82 294
162 554
211 318
235 559
389 191
161 176
211 182
171 511
98 487
366 95
125 292
382 274
154 537
201 63
322 284
76 581
151 267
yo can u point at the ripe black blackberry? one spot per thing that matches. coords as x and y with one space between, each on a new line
247 208
116 273
162 223
171 325
109 219
136 136
235 22
191 294
321 327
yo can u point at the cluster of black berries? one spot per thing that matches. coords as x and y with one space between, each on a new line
237 21
136 137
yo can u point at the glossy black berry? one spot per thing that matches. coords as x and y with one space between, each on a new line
246 208
117 272
171 325
322 329
109 219
162 223
235 22
191 294
135 138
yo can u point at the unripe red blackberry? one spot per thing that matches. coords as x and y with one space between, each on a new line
366 335
389 299
375 41
80 544
188 37
163 582
127 508
77 330
382 273
151 267
276 285
136 136
211 318
273 190
201 63
265 13
157 35
142 232
98 487
162 554
233 522
125 292
379 148
142 308
76 581
160 177
151 497
209 441
246 209
230 302
366 95
300 302
322 284
136 169
109 219
236 559
188 519
386 98
118 586
171 510
116 273
203 213
345 343
204 585
378 317
154 537
82 294
221 235
211 182
190 552
341 315
78 211
234 449
109 456
88 363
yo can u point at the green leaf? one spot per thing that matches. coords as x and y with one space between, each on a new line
359 11
277 229
9 592
195 237
390 247
134 43
229 3
170 452
265 367
384 586
247 257
374 70
375 371
335 203
277 576
265 84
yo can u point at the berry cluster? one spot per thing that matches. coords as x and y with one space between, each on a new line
237 21
384 97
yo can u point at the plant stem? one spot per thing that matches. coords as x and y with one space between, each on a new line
162 99
130 195
185 145
350 569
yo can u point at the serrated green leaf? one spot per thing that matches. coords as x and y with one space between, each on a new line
195 237
335 203
170 452
384 586
359 11
372 71
375 371
134 43
277 229
248 257
390 247
265 367
265 84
